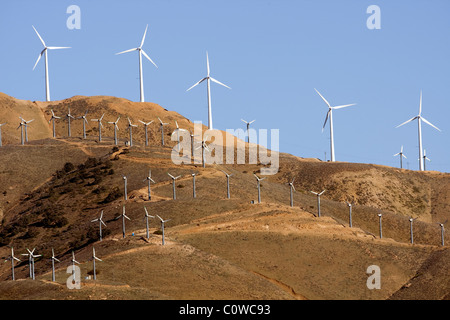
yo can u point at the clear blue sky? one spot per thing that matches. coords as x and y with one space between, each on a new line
271 53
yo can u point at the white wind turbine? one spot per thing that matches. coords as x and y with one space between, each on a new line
24 128
258 179
124 216
1 125
318 194
149 180
146 222
44 51
425 158
162 227
208 79
68 117
161 125
73 266
100 221
330 116
130 129
194 194
291 185
419 123
31 257
349 213
125 195
53 264
248 127
115 129
141 52
228 183
177 130
13 258
84 123
94 257
100 125
173 185
204 147
146 124
52 119
401 157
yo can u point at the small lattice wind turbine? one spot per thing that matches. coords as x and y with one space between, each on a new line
146 222
53 258
161 126
162 227
401 157
13 258
94 257
100 221
228 183
146 124
116 127
291 184
83 117
149 180
258 179
52 119
318 194
173 185
100 125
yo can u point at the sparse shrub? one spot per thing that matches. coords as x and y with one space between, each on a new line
68 167
91 162
180 186
111 172
113 195
32 232
115 149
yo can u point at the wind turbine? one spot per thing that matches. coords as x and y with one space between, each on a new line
330 116
68 117
84 123
100 125
208 79
53 264
21 126
1 125
12 258
291 184
161 125
381 227
204 147
115 129
258 179
94 257
318 200
401 157
24 125
228 183
52 119
349 213
125 187
146 124
162 227
442 232
100 221
173 185
141 52
425 158
194 195
124 216
130 129
73 266
192 141
146 222
411 220
149 179
31 257
44 51
419 123
248 127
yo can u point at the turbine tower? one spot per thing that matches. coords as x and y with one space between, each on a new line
141 52
291 184
228 183
100 125
130 129
94 257
161 125
150 180
1 125
425 158
162 227
100 222
52 119
12 258
194 194
115 130
68 117
178 129
258 179
124 216
349 214
146 222
53 264
330 116
401 157
44 52
84 123
125 188
208 79
318 200
204 147
248 127
419 123
173 185
73 266
146 124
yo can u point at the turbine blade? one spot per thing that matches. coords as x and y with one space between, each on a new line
344 106
323 98
39 58
218 82
145 55
52 48
195 85
129 50
143 37
326 119
414 118
429 123
207 63
40 38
